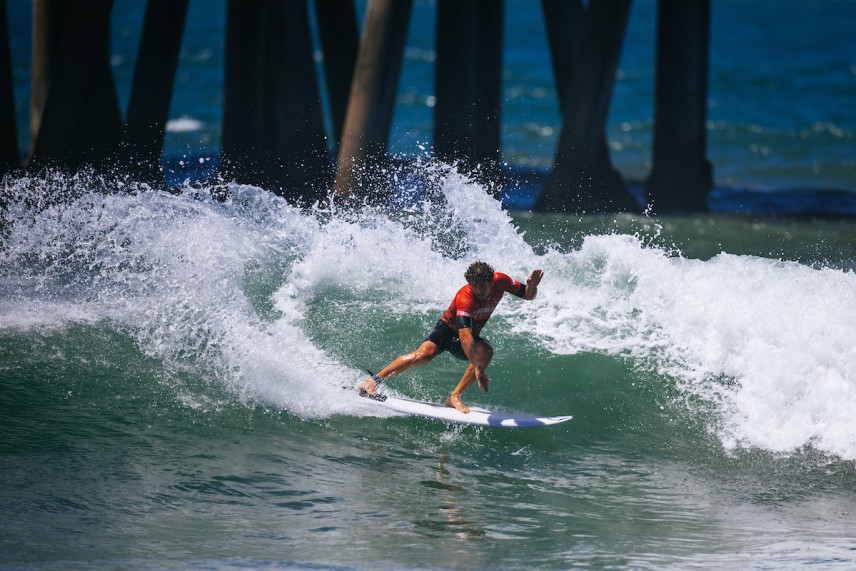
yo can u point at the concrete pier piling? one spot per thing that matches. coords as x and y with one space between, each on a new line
468 84
372 100
682 176
339 35
9 157
75 115
583 178
152 87
273 127
274 132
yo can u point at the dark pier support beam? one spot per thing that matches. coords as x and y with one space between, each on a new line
682 176
39 69
456 79
75 116
339 32
564 22
9 155
151 91
469 83
372 99
583 178
273 128
487 150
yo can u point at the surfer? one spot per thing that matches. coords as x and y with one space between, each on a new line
458 330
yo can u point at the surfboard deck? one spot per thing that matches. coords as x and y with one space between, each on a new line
477 416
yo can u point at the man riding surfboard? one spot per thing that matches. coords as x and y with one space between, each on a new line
458 330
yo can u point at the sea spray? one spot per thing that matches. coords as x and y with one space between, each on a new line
168 270
231 287
765 342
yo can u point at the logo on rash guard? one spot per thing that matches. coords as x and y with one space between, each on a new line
487 310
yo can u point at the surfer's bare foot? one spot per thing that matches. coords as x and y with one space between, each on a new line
454 401
369 386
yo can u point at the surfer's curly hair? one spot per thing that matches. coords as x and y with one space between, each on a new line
479 272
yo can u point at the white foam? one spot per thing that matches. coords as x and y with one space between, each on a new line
766 345
183 124
769 343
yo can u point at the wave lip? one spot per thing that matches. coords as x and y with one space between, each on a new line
283 306
762 341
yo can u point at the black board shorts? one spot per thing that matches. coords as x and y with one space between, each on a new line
447 339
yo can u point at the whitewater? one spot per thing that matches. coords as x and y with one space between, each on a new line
232 289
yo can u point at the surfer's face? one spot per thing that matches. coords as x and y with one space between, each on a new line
481 290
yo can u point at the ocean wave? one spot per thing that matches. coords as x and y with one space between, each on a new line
236 287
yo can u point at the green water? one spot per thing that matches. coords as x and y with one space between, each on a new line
171 371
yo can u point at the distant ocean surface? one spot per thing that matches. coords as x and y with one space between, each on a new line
175 368
782 100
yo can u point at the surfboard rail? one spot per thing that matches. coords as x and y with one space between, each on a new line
477 416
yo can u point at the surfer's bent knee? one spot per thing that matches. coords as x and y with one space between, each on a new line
427 351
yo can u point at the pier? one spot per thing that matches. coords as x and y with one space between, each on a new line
273 130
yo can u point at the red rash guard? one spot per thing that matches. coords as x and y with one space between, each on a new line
466 305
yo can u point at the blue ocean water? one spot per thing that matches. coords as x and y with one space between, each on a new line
782 100
172 364
172 370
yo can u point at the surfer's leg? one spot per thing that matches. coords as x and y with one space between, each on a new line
483 356
454 399
425 353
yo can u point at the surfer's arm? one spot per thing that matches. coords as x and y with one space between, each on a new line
477 359
465 334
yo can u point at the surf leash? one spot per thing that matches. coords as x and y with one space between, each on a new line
375 378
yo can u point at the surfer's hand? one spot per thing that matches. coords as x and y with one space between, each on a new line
535 279
532 284
369 385
482 379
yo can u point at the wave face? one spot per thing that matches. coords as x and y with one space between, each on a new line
243 291
155 339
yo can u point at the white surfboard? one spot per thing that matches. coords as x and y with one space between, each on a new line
477 416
